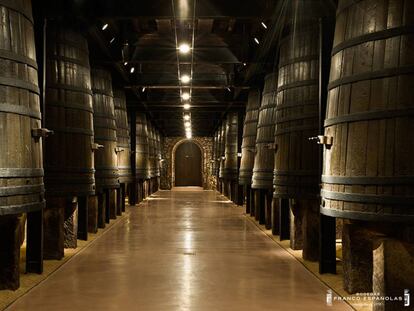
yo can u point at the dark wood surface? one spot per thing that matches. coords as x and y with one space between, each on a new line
123 137
142 147
296 157
249 137
188 165
106 175
229 170
368 172
264 157
21 167
69 114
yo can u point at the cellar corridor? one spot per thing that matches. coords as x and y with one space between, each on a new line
185 249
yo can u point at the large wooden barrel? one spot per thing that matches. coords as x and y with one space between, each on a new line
264 158
222 145
368 172
123 138
151 150
214 163
157 153
142 147
21 167
106 175
296 173
230 170
69 163
249 137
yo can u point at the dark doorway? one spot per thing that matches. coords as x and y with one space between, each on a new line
188 165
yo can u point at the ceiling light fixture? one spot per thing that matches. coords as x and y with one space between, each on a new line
143 89
185 78
105 26
188 135
187 106
187 124
112 40
184 48
186 117
256 40
132 70
228 89
264 25
185 96
125 63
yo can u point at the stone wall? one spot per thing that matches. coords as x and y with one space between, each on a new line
168 154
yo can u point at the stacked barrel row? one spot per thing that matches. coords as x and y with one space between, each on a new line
147 157
67 171
367 177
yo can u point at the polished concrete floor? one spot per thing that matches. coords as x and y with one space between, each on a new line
181 250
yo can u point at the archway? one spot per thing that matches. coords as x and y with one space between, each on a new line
188 165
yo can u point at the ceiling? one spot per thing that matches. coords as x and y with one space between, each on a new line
144 35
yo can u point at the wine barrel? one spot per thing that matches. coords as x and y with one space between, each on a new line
222 144
296 173
230 170
157 153
69 163
264 158
21 167
368 171
151 150
106 175
214 154
142 147
249 138
123 138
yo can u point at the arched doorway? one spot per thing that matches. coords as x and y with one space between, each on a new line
188 163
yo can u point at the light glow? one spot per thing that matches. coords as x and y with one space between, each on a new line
256 40
186 117
264 25
187 106
184 48
132 70
185 96
185 78
187 124
105 26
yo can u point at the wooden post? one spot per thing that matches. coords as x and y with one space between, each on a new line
53 225
93 214
268 209
119 197
284 219
327 245
252 202
124 192
10 252
275 216
246 195
101 210
112 203
34 242
83 218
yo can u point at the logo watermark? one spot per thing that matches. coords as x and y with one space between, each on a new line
406 298
361 298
